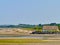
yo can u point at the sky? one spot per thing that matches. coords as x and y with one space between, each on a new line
29 11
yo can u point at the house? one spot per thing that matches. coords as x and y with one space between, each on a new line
50 28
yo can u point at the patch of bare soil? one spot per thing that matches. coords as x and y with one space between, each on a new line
30 44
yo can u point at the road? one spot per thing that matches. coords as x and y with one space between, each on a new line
35 36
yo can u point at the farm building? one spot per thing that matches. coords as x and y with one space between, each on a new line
50 28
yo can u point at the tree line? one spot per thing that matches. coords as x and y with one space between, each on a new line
39 26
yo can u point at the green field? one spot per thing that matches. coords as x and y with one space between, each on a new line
28 42
21 41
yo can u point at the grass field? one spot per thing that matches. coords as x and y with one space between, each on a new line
28 42
21 41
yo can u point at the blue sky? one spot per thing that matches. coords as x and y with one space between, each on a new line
29 11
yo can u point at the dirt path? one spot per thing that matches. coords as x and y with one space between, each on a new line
30 44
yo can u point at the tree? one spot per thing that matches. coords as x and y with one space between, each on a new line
53 24
39 25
